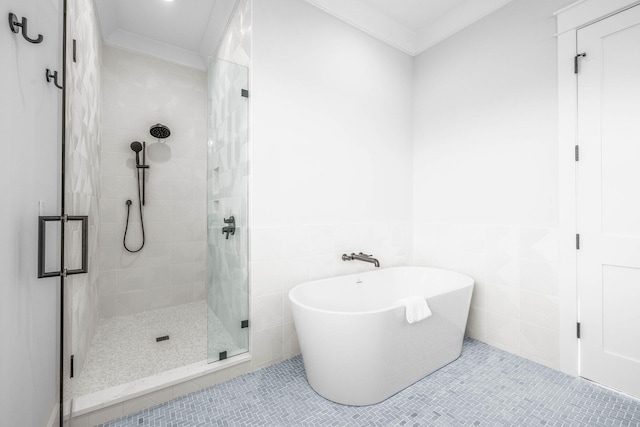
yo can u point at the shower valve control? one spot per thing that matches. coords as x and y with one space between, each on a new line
231 228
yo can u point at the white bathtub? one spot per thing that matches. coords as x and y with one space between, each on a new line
357 346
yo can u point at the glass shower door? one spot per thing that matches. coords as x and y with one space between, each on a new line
227 195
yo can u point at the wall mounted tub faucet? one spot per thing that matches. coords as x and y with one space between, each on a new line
361 257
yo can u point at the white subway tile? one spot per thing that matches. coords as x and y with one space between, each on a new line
540 343
503 332
539 276
267 311
267 346
540 310
503 300
477 324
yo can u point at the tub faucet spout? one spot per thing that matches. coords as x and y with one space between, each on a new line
361 257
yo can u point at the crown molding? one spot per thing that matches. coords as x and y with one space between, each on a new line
136 43
371 21
388 30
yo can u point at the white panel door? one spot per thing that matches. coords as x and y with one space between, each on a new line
608 176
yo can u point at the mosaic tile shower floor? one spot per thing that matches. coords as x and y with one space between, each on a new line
484 387
124 348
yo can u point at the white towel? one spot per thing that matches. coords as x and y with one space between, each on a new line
416 308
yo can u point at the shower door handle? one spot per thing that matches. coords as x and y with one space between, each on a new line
42 232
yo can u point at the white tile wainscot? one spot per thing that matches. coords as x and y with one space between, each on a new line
515 304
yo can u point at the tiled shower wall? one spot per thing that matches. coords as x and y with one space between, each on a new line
138 92
82 176
515 298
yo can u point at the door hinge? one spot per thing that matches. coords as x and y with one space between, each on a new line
576 60
577 153
71 367
577 241
578 330
244 324
244 93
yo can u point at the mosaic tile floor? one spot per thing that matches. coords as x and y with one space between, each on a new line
124 348
484 387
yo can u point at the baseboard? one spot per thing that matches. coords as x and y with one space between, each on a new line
54 418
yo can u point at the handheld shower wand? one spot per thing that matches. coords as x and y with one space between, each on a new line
137 147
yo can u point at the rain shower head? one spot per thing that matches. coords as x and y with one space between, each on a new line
159 131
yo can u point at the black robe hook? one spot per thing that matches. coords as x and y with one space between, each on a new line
15 27
53 76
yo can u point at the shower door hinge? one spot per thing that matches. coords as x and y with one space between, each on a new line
244 324
576 61
244 93
578 330
71 367
222 355
577 153
577 241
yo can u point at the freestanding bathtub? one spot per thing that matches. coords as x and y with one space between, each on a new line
357 346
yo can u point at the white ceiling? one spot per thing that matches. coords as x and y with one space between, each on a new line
187 31
183 31
180 23
414 14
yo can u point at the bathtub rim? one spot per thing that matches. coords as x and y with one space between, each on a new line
471 283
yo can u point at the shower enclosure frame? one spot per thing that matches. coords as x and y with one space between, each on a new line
63 142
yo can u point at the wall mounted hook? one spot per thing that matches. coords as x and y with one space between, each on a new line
15 27
53 76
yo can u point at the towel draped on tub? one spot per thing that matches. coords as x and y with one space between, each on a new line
416 308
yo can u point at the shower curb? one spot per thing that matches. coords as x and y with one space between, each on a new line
122 400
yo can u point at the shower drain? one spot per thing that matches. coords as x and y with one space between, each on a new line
162 338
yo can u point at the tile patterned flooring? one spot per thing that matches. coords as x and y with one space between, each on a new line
484 387
124 348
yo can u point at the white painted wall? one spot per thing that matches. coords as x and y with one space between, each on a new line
486 172
29 307
331 156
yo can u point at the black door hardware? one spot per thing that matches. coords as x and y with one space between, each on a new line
42 221
231 228
53 76
15 27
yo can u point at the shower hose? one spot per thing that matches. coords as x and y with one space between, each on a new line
126 227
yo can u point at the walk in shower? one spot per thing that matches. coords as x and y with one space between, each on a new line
157 149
